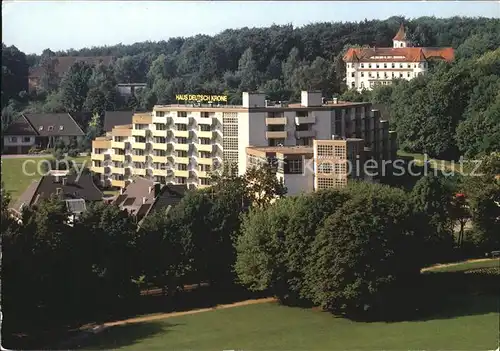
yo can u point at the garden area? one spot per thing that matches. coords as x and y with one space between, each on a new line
467 320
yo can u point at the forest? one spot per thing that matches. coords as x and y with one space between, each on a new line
281 61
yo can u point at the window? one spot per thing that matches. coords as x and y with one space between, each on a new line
324 183
369 65
352 74
205 154
205 141
204 114
182 167
180 180
50 128
182 153
205 181
13 139
160 113
339 151
400 65
385 65
182 127
408 74
293 167
26 139
362 65
61 127
181 140
393 65
401 75
362 74
377 65
182 114
325 168
340 168
205 128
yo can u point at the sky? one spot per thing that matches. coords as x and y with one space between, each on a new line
33 26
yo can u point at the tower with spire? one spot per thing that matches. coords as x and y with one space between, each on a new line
400 40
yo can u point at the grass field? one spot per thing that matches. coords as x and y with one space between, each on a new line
472 325
465 266
464 322
16 180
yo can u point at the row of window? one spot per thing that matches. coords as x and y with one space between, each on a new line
393 65
184 114
325 183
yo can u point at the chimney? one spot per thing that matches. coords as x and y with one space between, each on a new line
150 189
122 190
58 191
64 181
335 101
144 200
56 180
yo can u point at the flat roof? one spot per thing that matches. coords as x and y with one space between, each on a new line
288 150
290 106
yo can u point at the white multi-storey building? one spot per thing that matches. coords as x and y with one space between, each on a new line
369 67
181 144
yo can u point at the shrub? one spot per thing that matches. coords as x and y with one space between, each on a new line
34 150
58 154
73 153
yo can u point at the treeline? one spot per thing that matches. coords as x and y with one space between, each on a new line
452 111
356 251
277 60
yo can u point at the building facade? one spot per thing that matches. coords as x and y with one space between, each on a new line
40 130
370 67
182 144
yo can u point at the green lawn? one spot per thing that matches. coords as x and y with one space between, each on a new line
465 266
471 325
16 180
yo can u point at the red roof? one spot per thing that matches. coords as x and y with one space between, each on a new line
410 54
401 34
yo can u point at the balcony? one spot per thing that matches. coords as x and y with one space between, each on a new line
161 159
160 146
203 174
118 170
139 132
139 171
305 120
181 133
118 145
182 147
183 160
273 121
97 157
162 172
179 173
203 186
204 161
138 158
205 134
160 133
276 135
204 120
180 120
119 158
140 146
96 169
204 147
305 134
118 183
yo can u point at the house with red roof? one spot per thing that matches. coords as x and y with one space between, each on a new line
369 67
